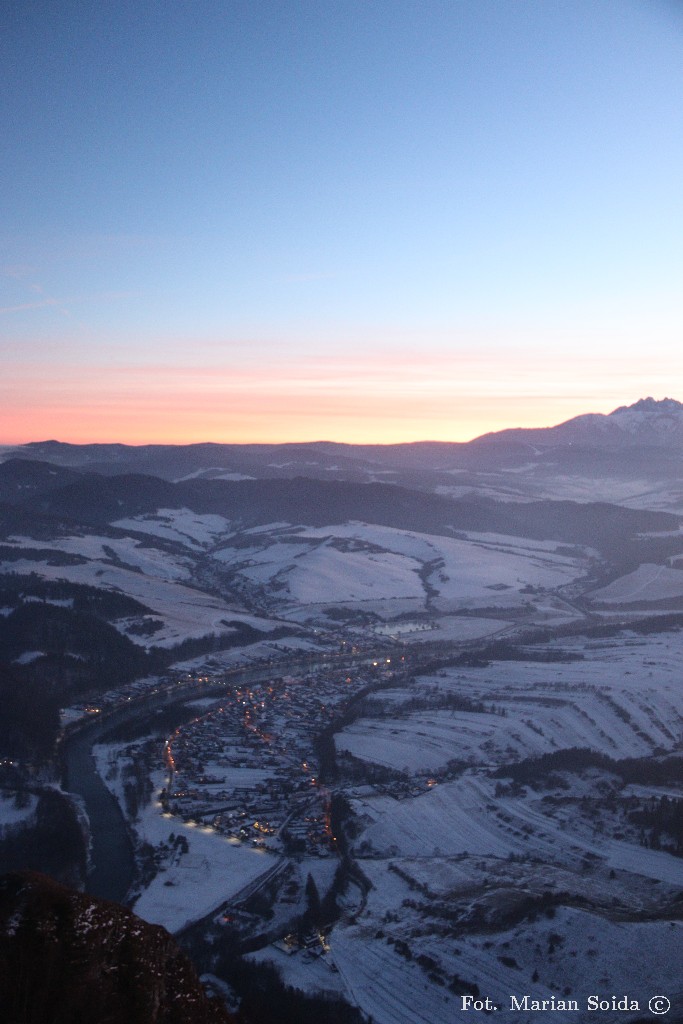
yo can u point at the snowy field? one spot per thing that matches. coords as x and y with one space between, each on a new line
623 699
127 551
190 885
360 565
466 818
450 865
193 884
664 496
647 583
185 612
262 650
455 628
425 741
13 816
576 951
300 572
180 525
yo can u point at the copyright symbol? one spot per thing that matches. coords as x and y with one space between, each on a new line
659 1004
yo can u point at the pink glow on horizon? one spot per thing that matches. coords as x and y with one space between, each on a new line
398 396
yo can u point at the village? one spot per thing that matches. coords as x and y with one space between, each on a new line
248 766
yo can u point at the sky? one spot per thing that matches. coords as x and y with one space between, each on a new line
354 220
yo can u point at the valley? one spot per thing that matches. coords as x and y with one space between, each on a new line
385 739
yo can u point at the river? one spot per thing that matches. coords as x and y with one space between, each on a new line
111 854
112 857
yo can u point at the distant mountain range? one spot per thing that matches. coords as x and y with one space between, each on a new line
647 423
261 532
631 456
35 493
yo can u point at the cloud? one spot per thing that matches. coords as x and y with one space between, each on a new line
29 305
394 396
388 385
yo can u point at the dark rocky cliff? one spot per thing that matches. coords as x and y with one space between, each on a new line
68 958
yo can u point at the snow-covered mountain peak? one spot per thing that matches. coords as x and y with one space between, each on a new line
651 421
650 405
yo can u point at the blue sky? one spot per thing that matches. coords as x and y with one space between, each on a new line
354 220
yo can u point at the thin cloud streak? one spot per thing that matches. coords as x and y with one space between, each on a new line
29 305
401 396
493 372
